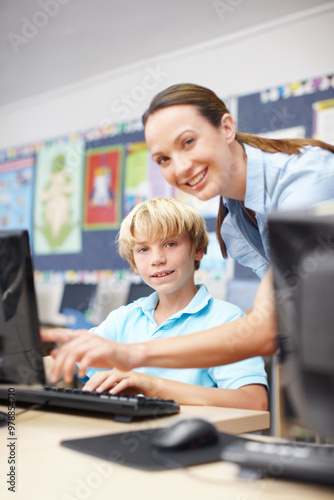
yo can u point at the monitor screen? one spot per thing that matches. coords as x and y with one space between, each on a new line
78 296
21 359
302 254
138 290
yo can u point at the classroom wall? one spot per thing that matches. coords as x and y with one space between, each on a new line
290 48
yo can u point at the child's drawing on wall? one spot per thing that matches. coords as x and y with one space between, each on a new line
56 198
103 187
101 195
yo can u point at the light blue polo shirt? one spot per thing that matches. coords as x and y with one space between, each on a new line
135 323
275 181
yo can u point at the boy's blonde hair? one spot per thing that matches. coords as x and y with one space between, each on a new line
162 218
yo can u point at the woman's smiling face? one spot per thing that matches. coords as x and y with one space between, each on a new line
194 155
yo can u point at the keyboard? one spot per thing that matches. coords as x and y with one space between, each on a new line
122 407
291 460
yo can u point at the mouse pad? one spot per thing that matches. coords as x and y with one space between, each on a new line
134 449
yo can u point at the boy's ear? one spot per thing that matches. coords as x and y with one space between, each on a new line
199 254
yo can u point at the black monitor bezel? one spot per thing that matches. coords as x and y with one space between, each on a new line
294 236
24 366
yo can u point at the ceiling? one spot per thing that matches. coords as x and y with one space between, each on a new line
46 44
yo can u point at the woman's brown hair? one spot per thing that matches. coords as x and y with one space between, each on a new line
213 108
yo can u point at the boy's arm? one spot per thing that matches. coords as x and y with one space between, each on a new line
251 397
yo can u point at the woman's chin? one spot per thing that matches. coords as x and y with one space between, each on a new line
206 194
204 198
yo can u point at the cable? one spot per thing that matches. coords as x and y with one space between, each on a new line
169 463
32 407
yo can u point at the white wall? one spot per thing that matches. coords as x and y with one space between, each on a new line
287 49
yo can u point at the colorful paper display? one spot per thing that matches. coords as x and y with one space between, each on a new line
58 199
16 193
143 178
103 188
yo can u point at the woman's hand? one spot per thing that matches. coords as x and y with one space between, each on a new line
60 335
116 381
88 350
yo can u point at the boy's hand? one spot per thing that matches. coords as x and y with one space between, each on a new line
88 350
116 381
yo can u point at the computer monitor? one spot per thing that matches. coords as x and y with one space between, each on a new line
78 296
21 355
302 254
138 290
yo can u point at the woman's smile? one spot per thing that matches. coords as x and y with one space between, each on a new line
195 180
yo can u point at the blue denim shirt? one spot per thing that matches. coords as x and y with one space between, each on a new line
275 181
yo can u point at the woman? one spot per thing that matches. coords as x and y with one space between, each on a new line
192 137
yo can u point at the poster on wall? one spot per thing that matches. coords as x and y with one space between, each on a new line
323 120
103 188
212 260
143 178
286 133
58 198
298 109
16 193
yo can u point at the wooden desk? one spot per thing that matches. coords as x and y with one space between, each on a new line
47 471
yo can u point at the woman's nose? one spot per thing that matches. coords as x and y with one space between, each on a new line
182 164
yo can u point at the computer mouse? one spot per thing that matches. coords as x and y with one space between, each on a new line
186 434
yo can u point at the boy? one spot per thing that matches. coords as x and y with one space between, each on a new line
164 242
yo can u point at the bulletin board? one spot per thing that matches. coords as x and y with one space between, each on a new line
298 109
102 212
295 110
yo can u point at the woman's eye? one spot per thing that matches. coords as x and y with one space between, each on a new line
162 161
188 141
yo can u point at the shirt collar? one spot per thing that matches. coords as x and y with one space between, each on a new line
150 303
200 300
254 197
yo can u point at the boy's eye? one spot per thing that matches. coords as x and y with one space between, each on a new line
143 250
171 244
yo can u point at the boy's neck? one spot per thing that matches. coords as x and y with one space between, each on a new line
170 304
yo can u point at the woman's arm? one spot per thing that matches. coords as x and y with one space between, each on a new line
250 397
58 334
246 337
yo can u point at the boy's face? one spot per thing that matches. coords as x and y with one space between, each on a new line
167 265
